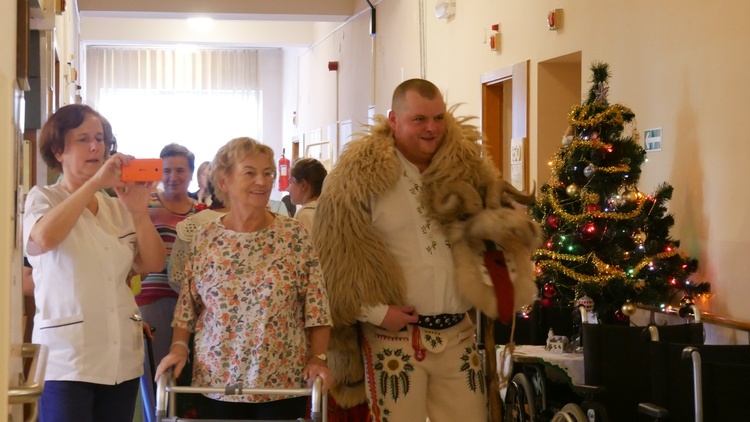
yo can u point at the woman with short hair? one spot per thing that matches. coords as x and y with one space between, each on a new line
82 244
253 295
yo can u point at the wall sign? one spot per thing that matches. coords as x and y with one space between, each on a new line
517 168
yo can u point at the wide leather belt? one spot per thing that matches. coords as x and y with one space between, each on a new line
440 322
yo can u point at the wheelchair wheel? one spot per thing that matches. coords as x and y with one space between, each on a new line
537 379
520 403
596 411
562 417
575 411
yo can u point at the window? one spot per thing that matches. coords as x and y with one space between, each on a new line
198 98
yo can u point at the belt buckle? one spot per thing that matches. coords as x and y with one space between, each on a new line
440 322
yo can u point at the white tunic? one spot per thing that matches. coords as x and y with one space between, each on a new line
86 314
419 246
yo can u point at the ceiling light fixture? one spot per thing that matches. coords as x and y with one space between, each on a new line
201 23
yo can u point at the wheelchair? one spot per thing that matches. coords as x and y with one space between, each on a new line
698 382
530 394
618 374
531 397
618 370
617 362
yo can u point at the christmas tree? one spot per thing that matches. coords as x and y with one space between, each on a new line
606 241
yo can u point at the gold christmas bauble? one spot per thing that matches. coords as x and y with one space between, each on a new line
573 190
628 308
639 237
630 196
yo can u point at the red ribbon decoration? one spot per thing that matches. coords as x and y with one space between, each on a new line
494 261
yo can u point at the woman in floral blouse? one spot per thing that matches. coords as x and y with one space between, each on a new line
253 296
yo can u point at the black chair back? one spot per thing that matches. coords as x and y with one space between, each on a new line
618 358
725 373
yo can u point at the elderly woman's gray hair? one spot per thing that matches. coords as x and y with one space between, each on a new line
233 152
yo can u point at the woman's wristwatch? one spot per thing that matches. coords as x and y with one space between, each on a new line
321 356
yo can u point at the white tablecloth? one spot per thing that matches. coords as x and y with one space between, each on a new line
567 367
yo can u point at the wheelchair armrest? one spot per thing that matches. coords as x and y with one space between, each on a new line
653 410
588 391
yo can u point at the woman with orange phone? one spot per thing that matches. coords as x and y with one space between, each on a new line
143 170
82 244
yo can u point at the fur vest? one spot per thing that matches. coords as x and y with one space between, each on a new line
359 270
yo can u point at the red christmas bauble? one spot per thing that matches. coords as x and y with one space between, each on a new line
620 317
553 221
549 290
590 231
547 302
593 208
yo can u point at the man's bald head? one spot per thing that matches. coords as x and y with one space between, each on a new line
424 88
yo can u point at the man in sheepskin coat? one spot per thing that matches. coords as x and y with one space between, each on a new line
402 339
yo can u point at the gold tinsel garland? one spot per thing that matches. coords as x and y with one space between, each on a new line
607 272
581 278
600 265
662 255
558 161
579 115
596 214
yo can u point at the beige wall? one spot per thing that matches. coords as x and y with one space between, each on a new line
10 298
559 87
680 65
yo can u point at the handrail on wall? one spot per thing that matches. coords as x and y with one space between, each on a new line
707 317
32 389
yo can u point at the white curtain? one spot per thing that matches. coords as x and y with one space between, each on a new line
198 97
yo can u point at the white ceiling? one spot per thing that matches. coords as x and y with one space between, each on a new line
281 10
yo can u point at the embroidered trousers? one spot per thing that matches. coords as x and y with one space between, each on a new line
418 372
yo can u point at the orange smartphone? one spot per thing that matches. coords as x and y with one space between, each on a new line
143 170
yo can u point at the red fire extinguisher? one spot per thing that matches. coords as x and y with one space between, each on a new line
283 172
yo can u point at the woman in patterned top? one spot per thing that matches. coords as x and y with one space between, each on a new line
253 295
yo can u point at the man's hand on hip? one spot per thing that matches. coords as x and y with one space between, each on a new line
398 317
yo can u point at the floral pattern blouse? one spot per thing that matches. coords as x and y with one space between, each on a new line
249 297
